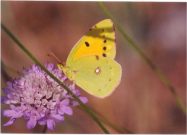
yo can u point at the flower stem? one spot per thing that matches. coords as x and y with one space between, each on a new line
119 129
107 122
85 108
5 75
155 69
44 129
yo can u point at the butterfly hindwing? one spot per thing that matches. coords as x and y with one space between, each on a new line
98 76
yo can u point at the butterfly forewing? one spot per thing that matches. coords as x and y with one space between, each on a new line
100 41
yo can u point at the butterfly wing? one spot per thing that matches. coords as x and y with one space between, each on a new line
100 41
91 63
98 77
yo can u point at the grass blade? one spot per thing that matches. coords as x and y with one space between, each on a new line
137 49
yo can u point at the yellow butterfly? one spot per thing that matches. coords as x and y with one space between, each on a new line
91 63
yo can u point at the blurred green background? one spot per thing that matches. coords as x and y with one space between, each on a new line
141 103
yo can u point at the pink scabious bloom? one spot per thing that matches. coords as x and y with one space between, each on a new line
39 99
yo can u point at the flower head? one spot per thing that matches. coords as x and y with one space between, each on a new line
39 99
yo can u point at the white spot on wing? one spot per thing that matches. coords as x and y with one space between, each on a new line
97 70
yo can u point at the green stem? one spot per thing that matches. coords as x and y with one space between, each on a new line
85 108
137 49
5 75
107 122
44 129
118 129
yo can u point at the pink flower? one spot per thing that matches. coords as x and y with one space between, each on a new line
36 97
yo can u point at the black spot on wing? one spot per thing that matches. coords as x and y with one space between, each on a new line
98 32
104 55
104 48
87 44
97 70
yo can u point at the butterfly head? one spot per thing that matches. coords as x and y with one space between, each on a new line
67 71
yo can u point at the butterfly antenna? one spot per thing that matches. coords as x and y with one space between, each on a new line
51 54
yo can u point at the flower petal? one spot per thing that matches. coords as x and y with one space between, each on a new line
58 117
31 123
64 102
42 122
9 113
83 99
49 66
75 103
67 110
10 122
50 124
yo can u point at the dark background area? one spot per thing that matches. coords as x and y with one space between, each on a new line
141 103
